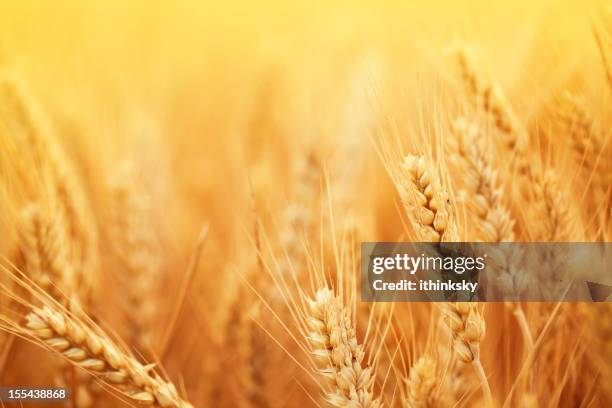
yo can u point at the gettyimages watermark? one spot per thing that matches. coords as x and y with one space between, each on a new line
475 271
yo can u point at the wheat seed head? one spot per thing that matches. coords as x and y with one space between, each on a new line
339 355
427 204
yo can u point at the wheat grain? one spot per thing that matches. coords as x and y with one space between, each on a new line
340 357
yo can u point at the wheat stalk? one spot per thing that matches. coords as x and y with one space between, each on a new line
258 362
248 362
426 203
81 346
339 355
421 383
454 383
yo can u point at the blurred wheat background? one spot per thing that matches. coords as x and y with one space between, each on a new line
184 186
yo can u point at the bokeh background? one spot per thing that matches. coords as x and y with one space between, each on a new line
229 114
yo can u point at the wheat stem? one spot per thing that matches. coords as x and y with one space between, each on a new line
521 319
484 382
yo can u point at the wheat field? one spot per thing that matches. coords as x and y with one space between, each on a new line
184 187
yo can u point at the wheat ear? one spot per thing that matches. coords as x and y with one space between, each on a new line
298 216
30 129
426 203
468 330
340 357
81 346
493 217
137 252
489 98
42 254
587 143
421 383
494 220
76 212
553 209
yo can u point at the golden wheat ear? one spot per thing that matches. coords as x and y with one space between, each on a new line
421 383
468 330
483 191
47 173
426 203
137 252
85 345
487 97
42 254
551 206
338 353
98 355
588 144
